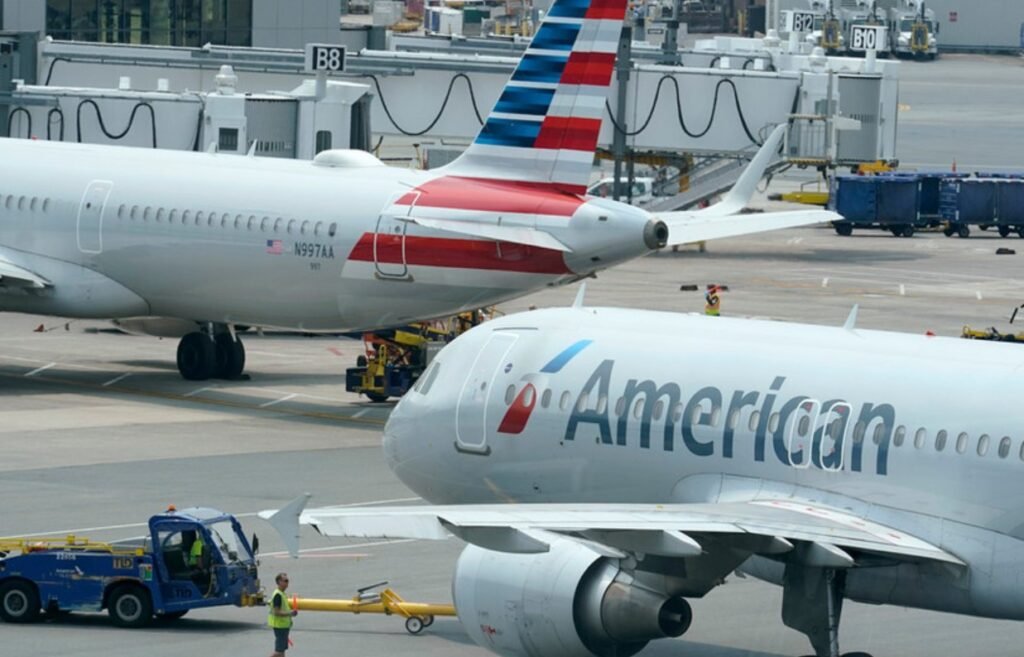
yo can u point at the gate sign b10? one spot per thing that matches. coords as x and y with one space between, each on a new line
325 57
867 37
799 21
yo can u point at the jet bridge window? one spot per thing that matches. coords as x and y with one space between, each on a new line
1004 447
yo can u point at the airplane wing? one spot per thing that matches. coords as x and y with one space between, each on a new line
828 537
723 219
11 275
504 233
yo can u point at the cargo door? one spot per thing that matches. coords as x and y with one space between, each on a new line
90 216
475 413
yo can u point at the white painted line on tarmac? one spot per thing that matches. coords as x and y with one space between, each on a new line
903 290
40 369
824 282
251 514
199 390
361 413
977 293
122 377
278 401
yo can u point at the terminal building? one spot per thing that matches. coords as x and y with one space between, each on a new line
189 23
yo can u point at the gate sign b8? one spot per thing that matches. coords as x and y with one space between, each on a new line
325 57
799 21
867 37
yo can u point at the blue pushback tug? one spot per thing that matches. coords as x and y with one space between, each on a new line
163 575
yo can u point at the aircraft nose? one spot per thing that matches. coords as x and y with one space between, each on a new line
655 234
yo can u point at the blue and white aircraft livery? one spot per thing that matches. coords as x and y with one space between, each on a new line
190 245
607 466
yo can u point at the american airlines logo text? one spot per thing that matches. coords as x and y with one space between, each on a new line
795 429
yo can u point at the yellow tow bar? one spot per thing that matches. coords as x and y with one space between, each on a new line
417 615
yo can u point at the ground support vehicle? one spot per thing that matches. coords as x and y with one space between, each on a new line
133 581
889 202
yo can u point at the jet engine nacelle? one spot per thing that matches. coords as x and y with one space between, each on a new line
570 601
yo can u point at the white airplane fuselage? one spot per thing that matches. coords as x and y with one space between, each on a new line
127 232
622 406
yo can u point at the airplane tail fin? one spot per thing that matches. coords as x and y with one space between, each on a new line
545 125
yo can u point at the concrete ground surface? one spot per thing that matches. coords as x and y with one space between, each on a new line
97 432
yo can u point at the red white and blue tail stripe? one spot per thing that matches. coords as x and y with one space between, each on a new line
544 127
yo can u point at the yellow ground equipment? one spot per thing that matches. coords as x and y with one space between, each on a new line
991 334
395 358
367 600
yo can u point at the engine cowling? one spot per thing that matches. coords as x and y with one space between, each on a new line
570 602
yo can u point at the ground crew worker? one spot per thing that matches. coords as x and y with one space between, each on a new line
195 553
712 300
280 616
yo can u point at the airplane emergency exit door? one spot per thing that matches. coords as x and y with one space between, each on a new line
90 216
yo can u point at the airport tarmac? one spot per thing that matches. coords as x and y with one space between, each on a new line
98 432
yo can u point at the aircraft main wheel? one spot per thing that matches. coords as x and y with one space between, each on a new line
197 357
963 230
19 602
414 625
130 606
230 357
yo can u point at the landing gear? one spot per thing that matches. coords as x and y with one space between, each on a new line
812 603
203 356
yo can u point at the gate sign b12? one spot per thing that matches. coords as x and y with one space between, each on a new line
325 57
799 21
867 37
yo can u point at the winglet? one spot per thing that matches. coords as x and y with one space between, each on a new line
582 292
741 193
851 319
286 522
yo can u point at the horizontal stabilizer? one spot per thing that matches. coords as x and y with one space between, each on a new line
502 233
688 227
11 275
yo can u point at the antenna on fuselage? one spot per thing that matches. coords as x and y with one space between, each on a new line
582 292
851 319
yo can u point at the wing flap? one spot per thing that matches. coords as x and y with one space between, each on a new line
766 527
11 275
499 232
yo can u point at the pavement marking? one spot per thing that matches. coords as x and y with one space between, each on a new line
199 390
335 351
824 282
40 369
977 293
251 514
122 377
361 413
292 395
903 290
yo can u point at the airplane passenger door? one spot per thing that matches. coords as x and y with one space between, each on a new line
90 216
830 438
389 241
800 429
475 412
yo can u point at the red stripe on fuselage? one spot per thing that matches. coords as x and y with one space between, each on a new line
594 68
569 133
489 195
459 254
608 9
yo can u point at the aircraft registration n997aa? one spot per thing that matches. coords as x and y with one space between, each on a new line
206 242
607 466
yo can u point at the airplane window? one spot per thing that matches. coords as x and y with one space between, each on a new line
920 437
716 415
291 226
265 224
172 216
638 409
135 212
199 217
734 417
581 404
316 228
21 202
186 216
983 441
1022 451
33 204
1004 447
677 412
277 224
528 395
940 440
159 215
803 425
773 422
901 433
9 202
239 221
510 395
147 214
333 229
858 432
252 223
961 443
755 418
879 433
121 211
659 408
46 205
305 227
223 219
620 405
563 403
545 399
